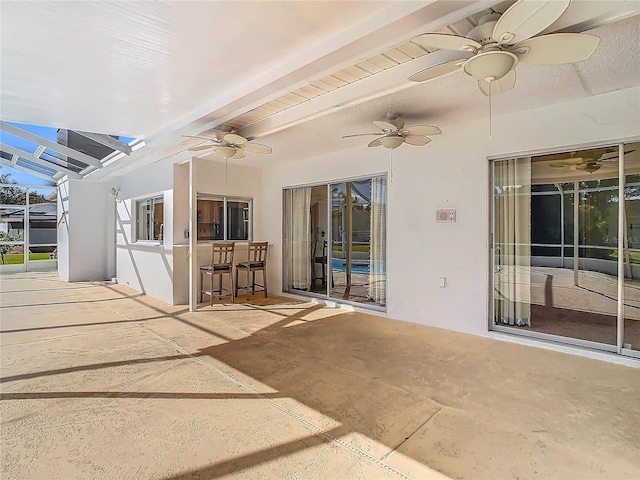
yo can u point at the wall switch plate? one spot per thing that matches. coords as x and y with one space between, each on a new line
443 282
446 215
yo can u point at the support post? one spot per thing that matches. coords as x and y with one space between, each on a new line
193 237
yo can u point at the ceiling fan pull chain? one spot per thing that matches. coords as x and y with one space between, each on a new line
226 167
391 165
490 113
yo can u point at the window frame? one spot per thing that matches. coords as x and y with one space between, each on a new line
225 199
136 219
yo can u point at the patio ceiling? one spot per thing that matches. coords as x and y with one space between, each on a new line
159 70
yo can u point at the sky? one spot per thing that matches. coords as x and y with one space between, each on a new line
23 177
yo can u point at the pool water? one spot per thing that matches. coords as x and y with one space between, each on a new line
357 266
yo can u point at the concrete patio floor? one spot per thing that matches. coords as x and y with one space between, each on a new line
102 382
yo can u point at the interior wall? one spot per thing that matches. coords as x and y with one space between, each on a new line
450 172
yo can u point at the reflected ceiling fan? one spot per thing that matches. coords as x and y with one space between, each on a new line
394 133
588 160
228 144
501 41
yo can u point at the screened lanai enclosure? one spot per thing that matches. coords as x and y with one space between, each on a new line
566 250
28 227
335 241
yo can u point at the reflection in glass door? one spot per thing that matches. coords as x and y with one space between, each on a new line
555 247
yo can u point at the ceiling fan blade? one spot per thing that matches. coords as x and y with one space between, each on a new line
423 130
501 85
525 18
201 147
235 138
240 153
375 143
437 70
556 48
564 164
385 126
361 135
256 148
417 140
446 41
204 138
614 157
589 167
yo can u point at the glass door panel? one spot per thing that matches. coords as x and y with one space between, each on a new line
320 279
631 332
358 221
555 246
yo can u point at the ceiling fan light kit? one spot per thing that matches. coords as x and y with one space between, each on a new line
490 66
226 152
500 41
392 141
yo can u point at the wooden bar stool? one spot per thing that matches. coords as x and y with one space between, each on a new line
221 263
256 261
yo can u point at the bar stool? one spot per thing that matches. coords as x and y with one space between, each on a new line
221 263
256 261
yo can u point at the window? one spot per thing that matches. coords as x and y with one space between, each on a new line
150 219
224 218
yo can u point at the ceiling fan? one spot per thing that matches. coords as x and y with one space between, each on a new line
228 144
394 133
501 41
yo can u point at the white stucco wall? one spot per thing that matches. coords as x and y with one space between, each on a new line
145 267
452 172
82 230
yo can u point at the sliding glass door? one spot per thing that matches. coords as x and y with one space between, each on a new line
557 271
335 240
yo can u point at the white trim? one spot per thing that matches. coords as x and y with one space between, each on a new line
566 148
610 357
134 219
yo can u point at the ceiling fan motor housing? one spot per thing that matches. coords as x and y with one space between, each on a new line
483 32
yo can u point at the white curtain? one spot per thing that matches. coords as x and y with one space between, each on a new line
299 233
512 252
378 224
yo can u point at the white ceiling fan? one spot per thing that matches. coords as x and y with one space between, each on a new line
228 144
394 133
501 41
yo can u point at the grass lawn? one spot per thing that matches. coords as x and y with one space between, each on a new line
18 258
